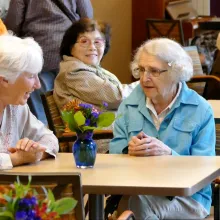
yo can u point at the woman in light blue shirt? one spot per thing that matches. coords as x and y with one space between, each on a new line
162 116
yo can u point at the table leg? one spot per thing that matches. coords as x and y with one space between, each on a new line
96 207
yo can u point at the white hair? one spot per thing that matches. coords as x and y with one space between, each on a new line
19 55
180 65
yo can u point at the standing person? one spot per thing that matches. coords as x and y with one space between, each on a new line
46 21
4 4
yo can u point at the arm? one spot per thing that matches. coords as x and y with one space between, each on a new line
5 161
85 85
15 16
120 140
36 131
204 140
84 8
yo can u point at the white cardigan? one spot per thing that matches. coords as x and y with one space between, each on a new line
17 123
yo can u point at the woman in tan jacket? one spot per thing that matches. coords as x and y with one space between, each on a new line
81 76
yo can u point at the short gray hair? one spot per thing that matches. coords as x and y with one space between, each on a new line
19 55
169 51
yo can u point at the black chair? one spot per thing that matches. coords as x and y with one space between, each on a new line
165 28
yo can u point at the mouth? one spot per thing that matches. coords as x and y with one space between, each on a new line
91 55
27 94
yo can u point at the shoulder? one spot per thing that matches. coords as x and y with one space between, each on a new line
74 66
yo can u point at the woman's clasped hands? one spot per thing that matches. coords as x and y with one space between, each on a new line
26 151
144 145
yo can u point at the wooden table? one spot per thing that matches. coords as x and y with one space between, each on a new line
123 174
216 109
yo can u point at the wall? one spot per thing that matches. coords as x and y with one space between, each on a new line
202 6
118 14
215 8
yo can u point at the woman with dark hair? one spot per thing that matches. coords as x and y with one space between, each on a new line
81 77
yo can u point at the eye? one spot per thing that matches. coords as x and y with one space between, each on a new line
32 76
99 41
153 70
141 69
84 41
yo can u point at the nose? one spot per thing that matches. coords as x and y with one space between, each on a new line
92 46
37 84
146 76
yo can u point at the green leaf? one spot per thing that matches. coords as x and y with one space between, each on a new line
105 119
50 196
69 119
64 205
6 215
85 128
7 198
79 118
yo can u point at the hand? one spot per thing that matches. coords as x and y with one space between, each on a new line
30 152
144 145
26 144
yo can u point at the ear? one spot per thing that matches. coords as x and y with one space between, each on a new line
3 82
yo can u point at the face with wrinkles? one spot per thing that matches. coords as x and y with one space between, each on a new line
19 92
89 47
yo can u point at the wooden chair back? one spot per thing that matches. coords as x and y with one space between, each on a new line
193 53
52 113
58 182
206 79
165 28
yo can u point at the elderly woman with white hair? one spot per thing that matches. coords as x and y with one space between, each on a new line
162 116
23 138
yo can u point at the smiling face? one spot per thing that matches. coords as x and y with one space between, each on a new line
155 88
89 48
19 92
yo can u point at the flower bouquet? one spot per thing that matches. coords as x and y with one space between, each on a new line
20 202
84 119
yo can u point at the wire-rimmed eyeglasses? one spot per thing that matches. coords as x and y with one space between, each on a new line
151 71
85 42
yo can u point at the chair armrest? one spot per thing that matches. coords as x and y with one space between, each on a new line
126 215
204 78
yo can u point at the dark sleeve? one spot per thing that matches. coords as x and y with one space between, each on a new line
84 8
15 16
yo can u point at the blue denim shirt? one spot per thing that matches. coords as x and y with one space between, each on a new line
188 128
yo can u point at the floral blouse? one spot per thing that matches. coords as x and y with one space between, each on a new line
17 123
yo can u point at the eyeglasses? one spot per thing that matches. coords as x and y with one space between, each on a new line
85 42
151 71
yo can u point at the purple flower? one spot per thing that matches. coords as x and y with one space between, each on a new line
26 202
85 105
87 123
95 114
21 215
105 104
31 215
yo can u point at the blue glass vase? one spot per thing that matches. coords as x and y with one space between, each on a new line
84 150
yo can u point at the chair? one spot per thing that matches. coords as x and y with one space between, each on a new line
206 80
192 51
216 184
165 28
59 181
55 122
